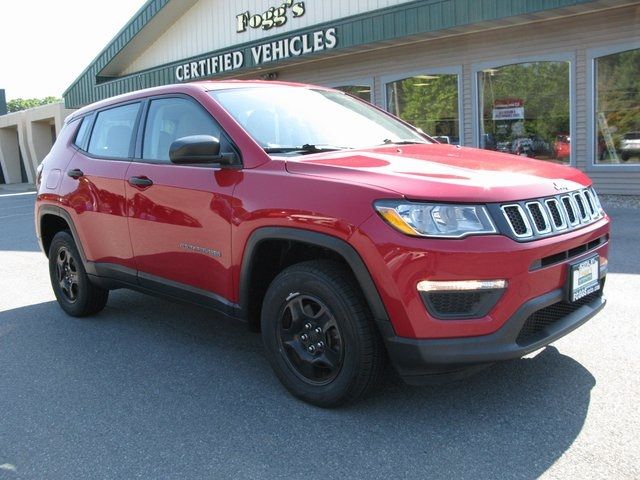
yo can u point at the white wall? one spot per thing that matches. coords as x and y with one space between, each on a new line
33 129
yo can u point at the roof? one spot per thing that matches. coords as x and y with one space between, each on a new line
205 85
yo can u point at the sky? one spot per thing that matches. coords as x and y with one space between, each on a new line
46 44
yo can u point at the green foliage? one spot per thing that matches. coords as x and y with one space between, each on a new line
429 102
18 104
543 88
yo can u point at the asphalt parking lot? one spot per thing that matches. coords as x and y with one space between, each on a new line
152 389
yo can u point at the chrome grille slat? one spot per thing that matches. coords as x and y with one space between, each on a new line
582 209
517 219
591 203
539 217
553 215
555 212
570 210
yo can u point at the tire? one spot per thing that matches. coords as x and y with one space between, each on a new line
625 157
320 300
74 291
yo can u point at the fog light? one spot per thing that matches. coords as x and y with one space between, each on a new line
460 285
460 299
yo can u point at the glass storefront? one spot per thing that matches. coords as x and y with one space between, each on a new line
430 102
617 109
360 91
524 109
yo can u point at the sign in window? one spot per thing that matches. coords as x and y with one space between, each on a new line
524 110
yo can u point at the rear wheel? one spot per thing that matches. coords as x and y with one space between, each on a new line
75 293
319 335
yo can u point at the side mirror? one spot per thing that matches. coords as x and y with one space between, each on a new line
199 149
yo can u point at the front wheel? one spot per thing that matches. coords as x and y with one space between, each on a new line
74 291
319 335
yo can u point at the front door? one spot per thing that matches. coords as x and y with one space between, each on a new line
180 215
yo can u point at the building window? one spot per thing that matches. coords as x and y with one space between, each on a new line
617 110
525 109
429 102
360 91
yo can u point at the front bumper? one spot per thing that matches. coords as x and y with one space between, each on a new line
419 361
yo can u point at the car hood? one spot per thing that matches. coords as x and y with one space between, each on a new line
443 172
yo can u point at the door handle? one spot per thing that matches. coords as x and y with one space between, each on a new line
75 173
140 182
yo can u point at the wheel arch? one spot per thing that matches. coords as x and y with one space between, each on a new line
53 219
251 296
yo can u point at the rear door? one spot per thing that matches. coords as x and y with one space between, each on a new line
94 186
180 215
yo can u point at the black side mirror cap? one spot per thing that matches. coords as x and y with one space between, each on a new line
199 149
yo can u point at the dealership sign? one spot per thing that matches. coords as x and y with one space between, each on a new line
508 109
273 17
295 46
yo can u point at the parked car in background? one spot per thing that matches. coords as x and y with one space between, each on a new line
522 146
344 235
630 145
503 147
562 147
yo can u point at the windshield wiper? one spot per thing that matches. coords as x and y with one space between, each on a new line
306 148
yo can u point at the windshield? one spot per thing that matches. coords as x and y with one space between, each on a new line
301 120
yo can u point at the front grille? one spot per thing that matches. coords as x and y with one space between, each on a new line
554 208
552 215
539 217
569 210
517 219
568 254
580 202
534 326
592 207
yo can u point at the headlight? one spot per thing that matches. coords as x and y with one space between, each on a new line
436 220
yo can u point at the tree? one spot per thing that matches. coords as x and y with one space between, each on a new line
18 104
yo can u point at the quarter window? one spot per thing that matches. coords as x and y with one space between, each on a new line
617 112
83 133
172 118
113 132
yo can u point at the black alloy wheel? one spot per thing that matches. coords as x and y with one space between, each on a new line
67 274
319 335
310 339
73 289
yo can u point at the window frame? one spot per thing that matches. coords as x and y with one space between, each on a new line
451 70
592 55
478 68
137 156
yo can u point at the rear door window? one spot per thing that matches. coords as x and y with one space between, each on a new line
113 132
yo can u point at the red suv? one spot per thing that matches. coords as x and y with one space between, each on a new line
345 235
